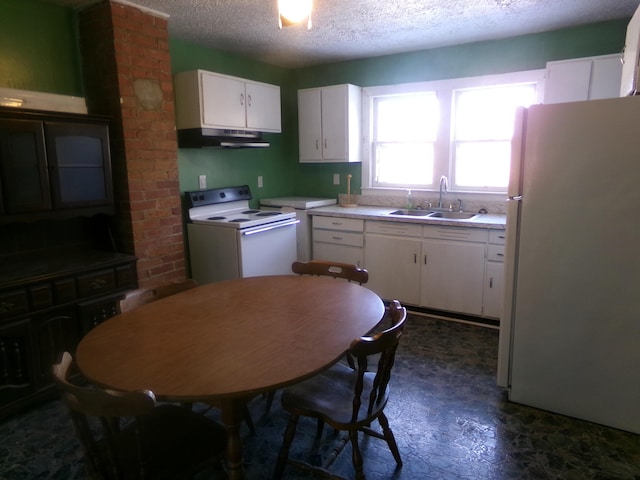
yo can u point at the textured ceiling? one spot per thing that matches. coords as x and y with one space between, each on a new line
351 29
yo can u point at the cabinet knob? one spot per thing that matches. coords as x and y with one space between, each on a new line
242 99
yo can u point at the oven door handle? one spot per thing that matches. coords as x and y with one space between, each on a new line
270 227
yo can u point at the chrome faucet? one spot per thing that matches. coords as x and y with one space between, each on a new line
444 185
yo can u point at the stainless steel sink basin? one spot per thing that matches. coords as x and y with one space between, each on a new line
411 213
453 215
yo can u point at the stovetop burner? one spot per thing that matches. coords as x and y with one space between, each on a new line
266 214
247 212
239 220
216 218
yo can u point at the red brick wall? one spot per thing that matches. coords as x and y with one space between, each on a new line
127 72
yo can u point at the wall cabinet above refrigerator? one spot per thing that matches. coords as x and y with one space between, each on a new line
580 79
212 100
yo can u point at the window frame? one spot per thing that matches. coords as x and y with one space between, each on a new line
444 90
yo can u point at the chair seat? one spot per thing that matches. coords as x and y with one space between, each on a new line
329 397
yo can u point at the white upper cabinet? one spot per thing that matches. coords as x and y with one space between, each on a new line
213 100
631 57
580 79
329 124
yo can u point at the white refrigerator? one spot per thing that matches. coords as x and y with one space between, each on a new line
570 335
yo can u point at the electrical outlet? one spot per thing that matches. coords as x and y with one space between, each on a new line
202 181
259 181
336 179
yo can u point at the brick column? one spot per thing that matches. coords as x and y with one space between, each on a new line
127 75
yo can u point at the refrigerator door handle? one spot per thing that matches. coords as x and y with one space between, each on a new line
514 198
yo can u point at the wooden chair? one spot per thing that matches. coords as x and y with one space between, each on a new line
348 271
137 298
348 399
126 435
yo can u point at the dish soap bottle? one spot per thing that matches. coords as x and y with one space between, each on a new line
409 200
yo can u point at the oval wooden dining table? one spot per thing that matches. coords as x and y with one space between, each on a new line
225 342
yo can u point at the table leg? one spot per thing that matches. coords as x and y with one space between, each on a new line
232 414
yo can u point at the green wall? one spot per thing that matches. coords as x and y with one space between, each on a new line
39 48
39 51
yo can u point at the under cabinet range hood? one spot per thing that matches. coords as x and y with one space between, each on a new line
218 138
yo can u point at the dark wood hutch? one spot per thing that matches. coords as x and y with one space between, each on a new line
60 272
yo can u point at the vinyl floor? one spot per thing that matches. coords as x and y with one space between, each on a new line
450 420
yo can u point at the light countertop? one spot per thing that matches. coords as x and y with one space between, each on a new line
365 212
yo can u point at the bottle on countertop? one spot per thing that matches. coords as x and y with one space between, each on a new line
409 200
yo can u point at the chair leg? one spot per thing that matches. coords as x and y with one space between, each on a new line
356 455
388 436
284 450
269 401
248 420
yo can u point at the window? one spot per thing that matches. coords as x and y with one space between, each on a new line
404 135
460 128
482 130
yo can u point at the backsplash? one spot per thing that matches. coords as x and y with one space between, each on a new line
400 201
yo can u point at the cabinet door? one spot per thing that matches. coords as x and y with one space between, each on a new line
606 73
223 102
263 107
393 264
493 286
567 81
16 365
335 129
79 164
310 125
23 164
55 332
452 276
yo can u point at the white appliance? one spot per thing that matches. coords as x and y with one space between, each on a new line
570 338
227 239
631 58
301 205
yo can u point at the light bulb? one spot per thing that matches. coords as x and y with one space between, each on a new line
295 11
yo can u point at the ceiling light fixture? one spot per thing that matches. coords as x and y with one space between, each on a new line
291 12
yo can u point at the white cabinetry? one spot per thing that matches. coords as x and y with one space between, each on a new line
494 276
212 100
329 124
580 79
392 257
338 239
453 268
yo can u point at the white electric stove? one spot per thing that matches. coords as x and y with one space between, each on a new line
228 239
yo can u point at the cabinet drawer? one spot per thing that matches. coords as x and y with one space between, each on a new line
497 236
395 228
339 223
338 237
64 290
495 253
456 233
13 302
41 296
96 283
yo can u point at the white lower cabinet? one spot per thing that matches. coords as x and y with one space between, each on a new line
453 261
494 277
392 258
338 239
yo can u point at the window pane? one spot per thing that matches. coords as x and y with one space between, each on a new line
406 118
483 164
488 113
404 163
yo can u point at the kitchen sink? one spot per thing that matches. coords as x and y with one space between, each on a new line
412 213
453 215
